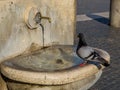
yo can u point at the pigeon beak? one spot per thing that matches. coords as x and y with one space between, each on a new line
78 37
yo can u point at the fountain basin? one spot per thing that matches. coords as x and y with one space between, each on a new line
53 67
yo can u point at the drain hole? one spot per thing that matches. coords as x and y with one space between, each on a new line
59 61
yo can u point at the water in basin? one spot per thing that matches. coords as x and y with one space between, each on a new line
47 59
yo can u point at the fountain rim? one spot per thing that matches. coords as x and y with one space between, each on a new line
57 77
49 78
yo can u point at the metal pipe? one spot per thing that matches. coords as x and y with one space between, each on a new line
38 19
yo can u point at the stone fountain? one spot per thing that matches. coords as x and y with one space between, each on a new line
37 50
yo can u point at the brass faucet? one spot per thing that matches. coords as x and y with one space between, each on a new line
48 18
39 17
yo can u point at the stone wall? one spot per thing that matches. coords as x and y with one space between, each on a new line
16 37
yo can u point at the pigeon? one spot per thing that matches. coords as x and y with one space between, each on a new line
92 55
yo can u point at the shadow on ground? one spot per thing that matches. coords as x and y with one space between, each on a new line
100 19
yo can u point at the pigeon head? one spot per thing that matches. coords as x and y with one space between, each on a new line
82 41
80 35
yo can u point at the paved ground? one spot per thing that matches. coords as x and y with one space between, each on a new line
99 34
92 6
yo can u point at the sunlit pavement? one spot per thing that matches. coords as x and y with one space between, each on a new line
93 20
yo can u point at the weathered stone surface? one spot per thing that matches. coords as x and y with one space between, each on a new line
3 85
115 13
16 37
83 84
41 67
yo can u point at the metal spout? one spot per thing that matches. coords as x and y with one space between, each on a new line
39 17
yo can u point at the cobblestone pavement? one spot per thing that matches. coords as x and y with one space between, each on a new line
102 36
99 34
